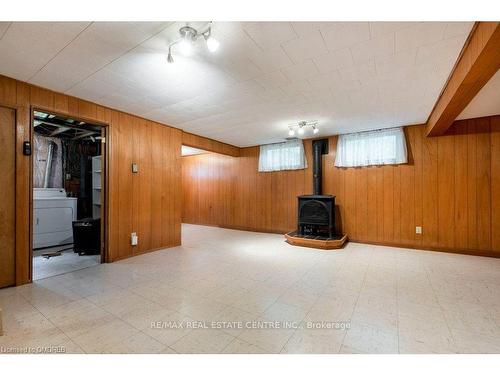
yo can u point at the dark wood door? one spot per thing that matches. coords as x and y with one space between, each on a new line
7 197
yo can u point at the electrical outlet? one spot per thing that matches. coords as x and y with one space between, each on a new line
418 230
134 239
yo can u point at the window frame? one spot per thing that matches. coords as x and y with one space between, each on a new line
372 148
276 153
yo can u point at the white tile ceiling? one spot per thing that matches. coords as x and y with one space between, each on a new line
349 76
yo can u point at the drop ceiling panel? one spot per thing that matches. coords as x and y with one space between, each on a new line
349 76
373 48
271 61
305 47
268 35
26 47
272 80
346 34
3 28
333 60
99 45
421 34
306 27
378 29
301 71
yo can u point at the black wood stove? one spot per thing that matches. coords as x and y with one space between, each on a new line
316 213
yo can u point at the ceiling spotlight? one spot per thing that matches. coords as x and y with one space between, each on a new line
315 129
185 47
212 44
301 129
291 132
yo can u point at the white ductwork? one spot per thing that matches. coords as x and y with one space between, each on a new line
48 167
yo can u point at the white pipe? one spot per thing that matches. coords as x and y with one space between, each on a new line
48 167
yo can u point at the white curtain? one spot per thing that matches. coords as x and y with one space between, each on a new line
379 147
282 156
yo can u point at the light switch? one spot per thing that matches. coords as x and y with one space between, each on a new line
134 239
135 168
418 230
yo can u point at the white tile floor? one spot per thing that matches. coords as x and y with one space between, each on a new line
68 261
392 300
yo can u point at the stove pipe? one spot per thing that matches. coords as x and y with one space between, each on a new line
320 147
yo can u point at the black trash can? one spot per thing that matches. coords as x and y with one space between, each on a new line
87 236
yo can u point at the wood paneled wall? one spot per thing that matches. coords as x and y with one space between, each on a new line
268 201
450 187
148 202
208 189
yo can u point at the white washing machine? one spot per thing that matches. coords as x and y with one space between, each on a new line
53 216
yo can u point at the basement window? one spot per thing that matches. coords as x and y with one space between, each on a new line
282 156
379 147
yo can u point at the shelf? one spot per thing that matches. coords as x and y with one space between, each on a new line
96 190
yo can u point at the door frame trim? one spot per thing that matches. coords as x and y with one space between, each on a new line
15 109
105 166
21 214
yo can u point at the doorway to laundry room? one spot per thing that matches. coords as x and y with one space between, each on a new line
69 182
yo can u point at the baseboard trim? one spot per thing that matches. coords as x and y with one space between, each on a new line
483 253
143 252
236 227
259 230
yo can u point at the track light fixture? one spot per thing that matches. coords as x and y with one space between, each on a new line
189 35
301 126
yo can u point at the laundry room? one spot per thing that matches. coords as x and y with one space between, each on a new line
67 194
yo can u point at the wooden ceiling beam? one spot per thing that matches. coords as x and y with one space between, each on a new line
478 62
